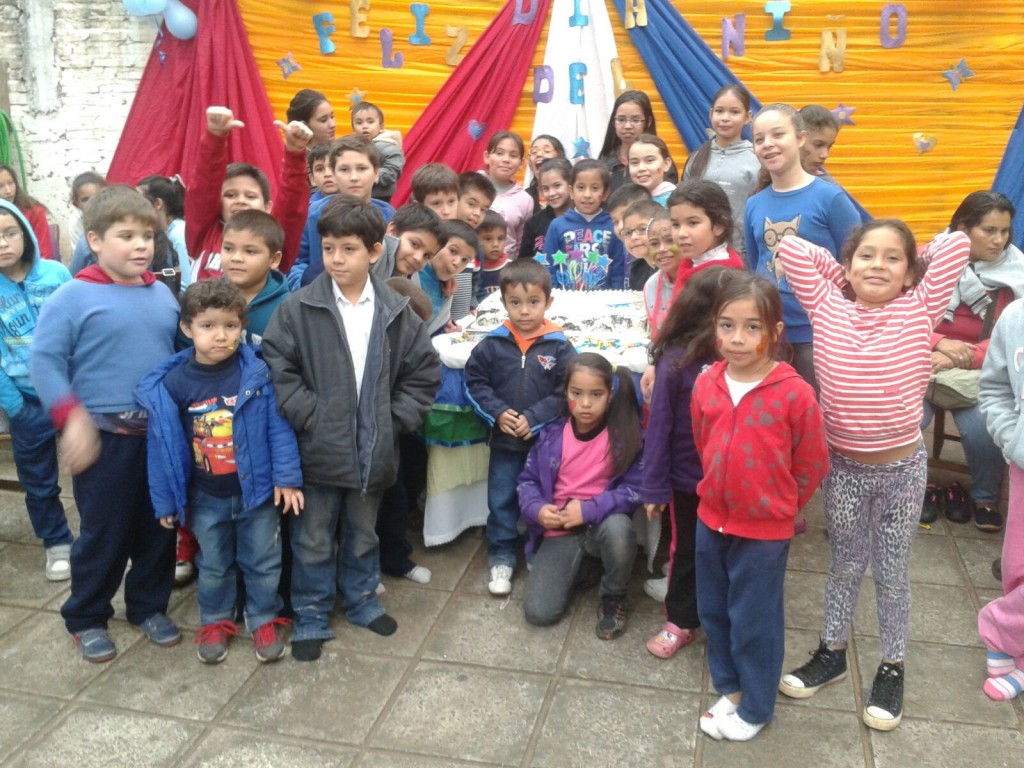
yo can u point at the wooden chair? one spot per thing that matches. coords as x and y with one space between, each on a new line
939 438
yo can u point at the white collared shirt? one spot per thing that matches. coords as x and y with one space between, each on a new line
358 320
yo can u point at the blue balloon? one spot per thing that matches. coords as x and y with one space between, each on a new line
144 7
180 21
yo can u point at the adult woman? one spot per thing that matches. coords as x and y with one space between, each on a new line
631 115
312 108
993 277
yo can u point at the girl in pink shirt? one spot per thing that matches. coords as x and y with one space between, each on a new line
578 491
502 161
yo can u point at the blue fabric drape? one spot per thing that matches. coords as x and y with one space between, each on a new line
1010 177
685 70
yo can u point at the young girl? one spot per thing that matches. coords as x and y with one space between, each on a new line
758 432
555 176
649 161
632 115
685 346
168 199
727 158
796 203
872 358
30 208
83 188
577 493
543 147
502 160
1001 622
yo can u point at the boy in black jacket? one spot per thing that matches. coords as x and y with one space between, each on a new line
515 379
353 368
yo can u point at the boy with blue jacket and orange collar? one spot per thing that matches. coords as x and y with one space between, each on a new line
26 281
219 448
515 379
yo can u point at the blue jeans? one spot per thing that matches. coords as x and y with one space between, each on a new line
984 459
231 539
556 566
34 444
739 600
503 505
322 565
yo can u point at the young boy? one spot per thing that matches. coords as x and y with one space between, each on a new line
26 282
353 367
492 246
250 255
216 190
355 165
320 176
636 220
97 336
368 122
439 278
219 448
515 379
581 248
437 187
620 201
476 194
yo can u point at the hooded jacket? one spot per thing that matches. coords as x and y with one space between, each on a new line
1002 384
264 444
20 304
345 441
389 146
262 307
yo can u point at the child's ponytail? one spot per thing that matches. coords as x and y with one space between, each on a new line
698 164
623 415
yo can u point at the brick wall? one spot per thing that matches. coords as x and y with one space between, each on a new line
73 68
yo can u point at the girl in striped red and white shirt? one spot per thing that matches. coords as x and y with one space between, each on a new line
872 317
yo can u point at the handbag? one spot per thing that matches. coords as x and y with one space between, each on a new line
953 388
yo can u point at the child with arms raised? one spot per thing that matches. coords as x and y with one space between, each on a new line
515 379
578 491
219 449
96 337
872 358
753 417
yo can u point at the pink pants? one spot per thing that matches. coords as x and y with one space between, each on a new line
1001 622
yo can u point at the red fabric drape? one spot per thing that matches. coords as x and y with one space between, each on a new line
168 115
484 89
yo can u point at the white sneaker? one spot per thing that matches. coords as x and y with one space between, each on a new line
501 580
380 588
58 563
183 572
419 574
735 728
711 719
657 589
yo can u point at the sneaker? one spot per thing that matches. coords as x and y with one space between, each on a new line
657 589
985 519
213 641
957 504
710 720
160 630
269 643
58 562
735 728
666 643
826 666
932 504
885 705
611 616
95 645
184 572
501 580
419 574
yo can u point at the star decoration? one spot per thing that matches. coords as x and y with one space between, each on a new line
541 258
558 258
581 148
957 74
592 257
843 113
356 96
288 65
603 261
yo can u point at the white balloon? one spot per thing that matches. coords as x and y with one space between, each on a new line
180 21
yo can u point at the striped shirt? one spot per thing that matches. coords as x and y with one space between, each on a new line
873 365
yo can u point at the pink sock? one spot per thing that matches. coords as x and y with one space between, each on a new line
1005 687
999 664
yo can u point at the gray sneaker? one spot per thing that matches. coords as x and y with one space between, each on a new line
213 641
58 562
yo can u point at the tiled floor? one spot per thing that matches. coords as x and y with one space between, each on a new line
466 682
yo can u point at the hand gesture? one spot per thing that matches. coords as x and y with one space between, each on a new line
220 121
522 428
960 352
80 441
292 498
296 135
550 517
572 514
507 421
647 384
452 327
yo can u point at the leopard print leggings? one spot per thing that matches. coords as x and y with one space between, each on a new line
872 512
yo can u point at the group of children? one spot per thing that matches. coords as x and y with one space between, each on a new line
173 416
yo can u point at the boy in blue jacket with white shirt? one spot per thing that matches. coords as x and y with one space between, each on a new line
219 448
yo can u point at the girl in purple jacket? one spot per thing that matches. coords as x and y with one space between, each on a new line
578 491
672 468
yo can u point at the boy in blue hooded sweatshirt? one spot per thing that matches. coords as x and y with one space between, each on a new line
26 281
250 254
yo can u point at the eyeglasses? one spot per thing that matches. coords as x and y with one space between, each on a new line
623 120
636 231
10 235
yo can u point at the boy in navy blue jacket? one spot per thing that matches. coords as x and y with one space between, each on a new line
515 379
219 448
